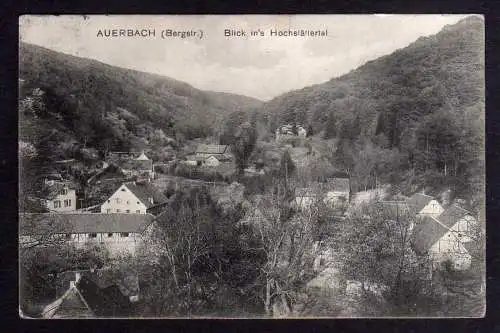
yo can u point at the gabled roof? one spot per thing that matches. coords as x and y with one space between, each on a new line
338 184
418 201
136 165
35 224
84 298
312 190
426 233
452 215
212 149
145 191
71 304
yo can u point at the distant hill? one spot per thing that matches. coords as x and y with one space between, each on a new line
107 107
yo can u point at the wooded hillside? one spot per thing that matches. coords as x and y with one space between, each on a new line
422 105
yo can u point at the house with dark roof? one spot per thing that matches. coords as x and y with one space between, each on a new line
134 198
338 191
445 237
132 165
425 205
61 196
116 232
306 197
84 298
210 155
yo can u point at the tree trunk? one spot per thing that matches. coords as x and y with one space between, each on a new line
267 301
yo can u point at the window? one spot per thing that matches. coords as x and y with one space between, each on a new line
108 210
93 235
109 201
67 203
123 190
128 210
128 202
117 210
118 200
63 191
57 204
138 211
123 234
110 234
68 236
137 202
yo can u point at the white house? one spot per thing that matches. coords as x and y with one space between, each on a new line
443 237
62 196
133 198
306 197
425 205
116 232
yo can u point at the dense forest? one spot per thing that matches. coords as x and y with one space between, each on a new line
415 115
93 104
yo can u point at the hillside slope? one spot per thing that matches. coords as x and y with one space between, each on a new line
423 104
107 107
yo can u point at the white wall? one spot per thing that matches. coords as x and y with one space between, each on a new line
450 248
464 227
123 202
65 207
432 209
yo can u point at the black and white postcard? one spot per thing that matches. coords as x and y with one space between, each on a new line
251 166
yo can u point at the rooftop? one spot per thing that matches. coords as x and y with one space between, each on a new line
418 201
426 233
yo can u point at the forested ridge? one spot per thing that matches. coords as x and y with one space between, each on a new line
422 107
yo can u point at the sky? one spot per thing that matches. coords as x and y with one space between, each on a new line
257 66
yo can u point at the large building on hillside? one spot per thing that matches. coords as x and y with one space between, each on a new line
132 165
134 198
115 232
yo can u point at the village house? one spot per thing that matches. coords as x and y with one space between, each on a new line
61 197
115 232
210 155
307 197
88 295
445 237
132 166
287 131
134 198
425 205
338 191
